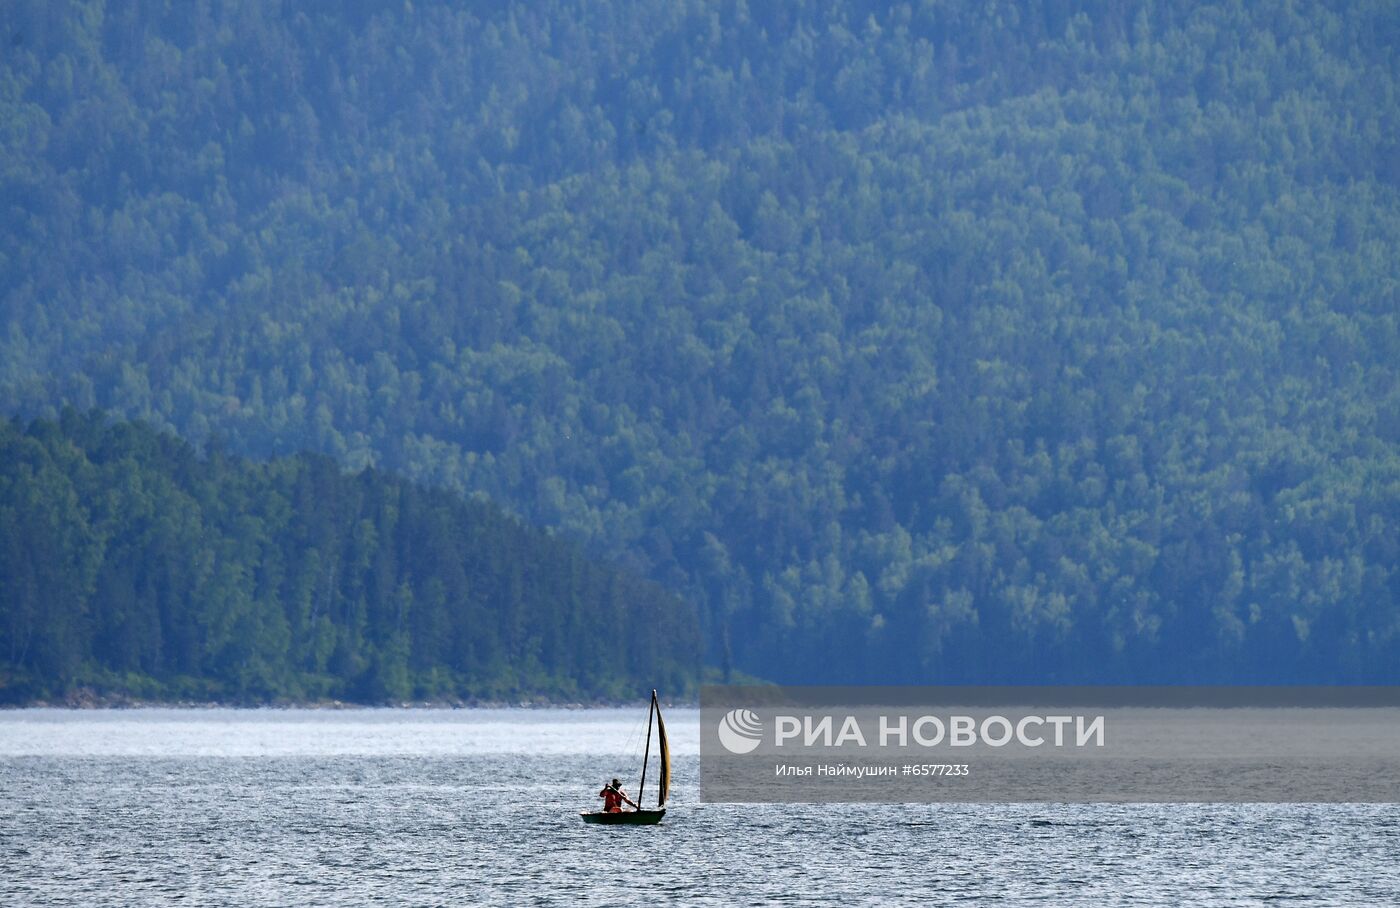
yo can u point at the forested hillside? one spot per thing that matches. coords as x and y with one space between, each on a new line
950 340
132 566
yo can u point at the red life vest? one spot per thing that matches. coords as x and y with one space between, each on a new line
612 800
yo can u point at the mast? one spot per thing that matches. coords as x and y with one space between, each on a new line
646 751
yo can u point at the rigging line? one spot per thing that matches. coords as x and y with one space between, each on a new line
633 744
638 737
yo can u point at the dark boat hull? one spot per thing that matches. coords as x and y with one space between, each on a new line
625 818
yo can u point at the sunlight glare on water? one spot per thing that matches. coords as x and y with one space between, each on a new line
349 732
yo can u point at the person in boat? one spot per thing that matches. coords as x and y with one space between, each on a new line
613 796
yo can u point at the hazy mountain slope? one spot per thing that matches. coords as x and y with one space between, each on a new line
947 340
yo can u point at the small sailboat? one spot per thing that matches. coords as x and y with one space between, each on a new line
642 816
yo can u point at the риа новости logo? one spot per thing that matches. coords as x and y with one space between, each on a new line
740 731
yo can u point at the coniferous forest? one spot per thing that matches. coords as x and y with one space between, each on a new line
931 341
133 565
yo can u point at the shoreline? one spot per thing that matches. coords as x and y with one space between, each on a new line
120 703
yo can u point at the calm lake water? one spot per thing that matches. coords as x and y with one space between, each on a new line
465 807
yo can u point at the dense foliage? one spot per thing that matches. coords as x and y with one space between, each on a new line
131 565
951 339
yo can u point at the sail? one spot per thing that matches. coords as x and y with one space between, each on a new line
665 759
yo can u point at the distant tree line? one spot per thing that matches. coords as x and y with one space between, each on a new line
131 565
949 339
